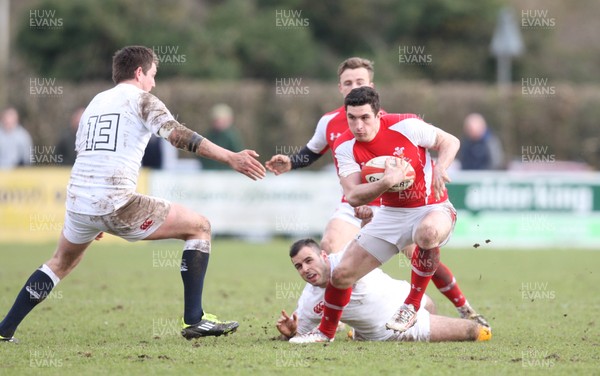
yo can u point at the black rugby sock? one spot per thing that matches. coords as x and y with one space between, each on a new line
36 289
193 269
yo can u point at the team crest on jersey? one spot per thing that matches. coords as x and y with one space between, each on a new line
318 309
398 151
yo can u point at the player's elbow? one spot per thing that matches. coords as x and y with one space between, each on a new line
454 143
355 200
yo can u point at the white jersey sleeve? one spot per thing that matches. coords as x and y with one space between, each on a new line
153 112
310 305
417 131
318 142
344 156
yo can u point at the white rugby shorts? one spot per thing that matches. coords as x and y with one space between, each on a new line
420 332
136 220
345 212
394 228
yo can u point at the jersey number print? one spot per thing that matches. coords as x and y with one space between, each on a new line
102 132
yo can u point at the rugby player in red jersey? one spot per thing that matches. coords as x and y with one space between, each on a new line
421 214
344 224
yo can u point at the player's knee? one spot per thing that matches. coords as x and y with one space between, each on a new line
427 236
341 278
201 226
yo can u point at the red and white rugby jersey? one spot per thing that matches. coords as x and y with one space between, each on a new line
401 135
331 126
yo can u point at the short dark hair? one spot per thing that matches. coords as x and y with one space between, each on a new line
299 244
128 59
361 96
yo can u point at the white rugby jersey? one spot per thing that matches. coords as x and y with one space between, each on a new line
374 300
112 136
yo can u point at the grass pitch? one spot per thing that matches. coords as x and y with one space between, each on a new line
118 313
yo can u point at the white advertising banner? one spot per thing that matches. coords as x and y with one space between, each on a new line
296 203
495 209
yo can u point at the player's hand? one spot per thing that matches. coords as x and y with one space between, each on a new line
279 164
245 162
394 172
364 213
440 178
287 325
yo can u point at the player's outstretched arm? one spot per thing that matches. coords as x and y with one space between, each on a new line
279 164
183 138
244 162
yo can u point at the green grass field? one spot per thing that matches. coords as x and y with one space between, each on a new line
118 312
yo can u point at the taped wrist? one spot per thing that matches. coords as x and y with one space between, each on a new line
304 158
180 136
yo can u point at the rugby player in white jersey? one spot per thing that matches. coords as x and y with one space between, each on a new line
101 195
375 298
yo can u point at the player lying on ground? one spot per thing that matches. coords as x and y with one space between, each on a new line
343 226
375 298
101 195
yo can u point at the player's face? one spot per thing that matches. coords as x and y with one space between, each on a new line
312 266
147 79
363 122
353 78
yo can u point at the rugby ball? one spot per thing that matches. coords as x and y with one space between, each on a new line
374 169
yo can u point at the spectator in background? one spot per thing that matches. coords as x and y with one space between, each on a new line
15 141
65 146
480 149
223 134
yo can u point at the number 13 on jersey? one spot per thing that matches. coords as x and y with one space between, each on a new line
102 132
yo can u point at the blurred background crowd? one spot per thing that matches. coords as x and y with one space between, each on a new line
259 73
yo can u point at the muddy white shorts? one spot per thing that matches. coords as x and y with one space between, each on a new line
136 220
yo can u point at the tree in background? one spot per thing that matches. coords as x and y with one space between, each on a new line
265 39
